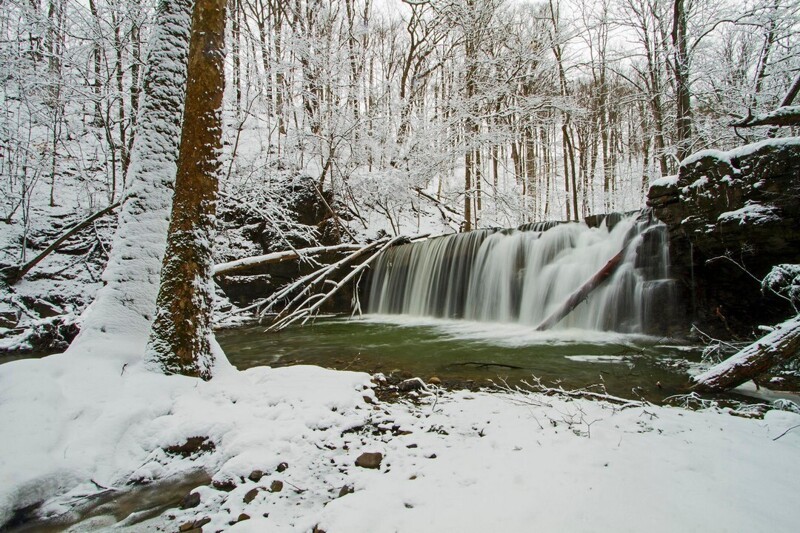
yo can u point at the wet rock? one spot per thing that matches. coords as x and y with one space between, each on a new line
276 486
198 524
192 446
191 500
369 460
433 380
251 495
412 384
255 476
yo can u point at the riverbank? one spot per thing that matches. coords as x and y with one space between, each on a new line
295 448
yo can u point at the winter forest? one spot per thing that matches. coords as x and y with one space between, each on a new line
399 265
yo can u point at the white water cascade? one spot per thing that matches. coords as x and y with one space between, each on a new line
515 276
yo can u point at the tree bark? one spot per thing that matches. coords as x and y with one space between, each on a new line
681 70
780 345
181 340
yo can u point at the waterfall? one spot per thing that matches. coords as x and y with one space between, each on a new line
522 276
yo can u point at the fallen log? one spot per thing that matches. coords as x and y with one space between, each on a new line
240 265
781 344
583 292
308 308
14 275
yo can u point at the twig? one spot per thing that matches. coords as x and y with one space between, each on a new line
787 431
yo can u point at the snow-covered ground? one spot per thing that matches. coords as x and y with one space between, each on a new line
76 425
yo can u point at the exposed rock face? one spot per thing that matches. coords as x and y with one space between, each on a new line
732 216
304 205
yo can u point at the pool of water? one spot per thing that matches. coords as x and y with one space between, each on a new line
461 352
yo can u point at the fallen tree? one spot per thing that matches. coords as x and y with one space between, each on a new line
583 292
778 346
15 274
243 265
305 309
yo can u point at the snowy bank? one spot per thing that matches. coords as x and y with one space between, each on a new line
286 442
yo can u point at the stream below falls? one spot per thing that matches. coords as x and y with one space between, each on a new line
464 353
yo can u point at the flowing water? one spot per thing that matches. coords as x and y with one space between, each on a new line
465 307
522 277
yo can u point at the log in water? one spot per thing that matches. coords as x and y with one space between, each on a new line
514 276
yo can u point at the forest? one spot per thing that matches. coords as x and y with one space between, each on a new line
399 265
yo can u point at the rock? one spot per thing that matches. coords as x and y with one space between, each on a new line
198 524
255 476
276 486
433 380
251 495
725 208
192 446
411 384
186 526
191 500
369 460
282 467
367 399
317 529
347 489
243 517
225 485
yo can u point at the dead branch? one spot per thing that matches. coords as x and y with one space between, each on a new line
14 275
307 309
783 116
308 282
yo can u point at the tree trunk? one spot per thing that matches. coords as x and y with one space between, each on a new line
181 338
776 347
119 319
681 69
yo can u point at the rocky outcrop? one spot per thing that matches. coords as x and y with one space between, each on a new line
732 216
299 218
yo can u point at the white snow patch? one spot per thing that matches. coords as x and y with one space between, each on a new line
666 181
460 461
752 213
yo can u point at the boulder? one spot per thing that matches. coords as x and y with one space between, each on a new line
731 217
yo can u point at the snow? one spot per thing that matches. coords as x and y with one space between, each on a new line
738 153
752 213
457 461
666 181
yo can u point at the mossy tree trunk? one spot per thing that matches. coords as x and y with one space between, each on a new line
181 337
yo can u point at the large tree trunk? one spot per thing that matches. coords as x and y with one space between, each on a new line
181 338
118 321
681 70
780 345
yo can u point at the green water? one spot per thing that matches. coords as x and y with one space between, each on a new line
460 352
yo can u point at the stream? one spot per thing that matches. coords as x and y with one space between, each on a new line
464 353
